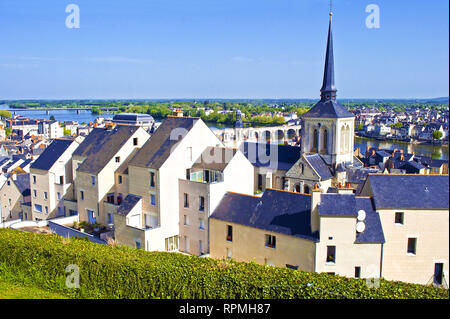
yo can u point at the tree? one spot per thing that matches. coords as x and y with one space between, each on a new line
5 113
8 131
437 135
52 117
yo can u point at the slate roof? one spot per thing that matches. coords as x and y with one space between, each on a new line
410 191
23 184
101 145
328 109
319 166
215 158
276 211
128 204
51 154
334 205
337 205
280 157
373 233
157 149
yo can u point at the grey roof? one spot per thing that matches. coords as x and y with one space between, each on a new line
101 145
51 154
334 205
319 166
157 149
128 204
276 211
410 191
215 158
328 109
23 184
280 157
337 204
373 233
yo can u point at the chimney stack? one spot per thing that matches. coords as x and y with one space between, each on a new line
315 202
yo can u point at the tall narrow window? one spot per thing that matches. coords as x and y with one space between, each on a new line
152 179
315 141
325 141
34 179
81 195
120 179
186 200
202 223
202 203
61 180
331 254
153 199
229 233
412 242
135 141
357 272
93 180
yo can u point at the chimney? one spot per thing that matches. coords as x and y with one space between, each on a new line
315 202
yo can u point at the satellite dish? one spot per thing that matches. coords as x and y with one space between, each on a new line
361 215
360 227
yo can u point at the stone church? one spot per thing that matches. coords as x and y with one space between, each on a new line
327 140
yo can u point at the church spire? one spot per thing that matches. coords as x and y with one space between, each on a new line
328 90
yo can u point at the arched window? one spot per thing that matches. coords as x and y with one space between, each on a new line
297 188
315 141
325 141
306 189
342 146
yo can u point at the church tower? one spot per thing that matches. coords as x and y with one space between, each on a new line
328 128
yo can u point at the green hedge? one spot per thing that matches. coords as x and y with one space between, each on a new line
122 272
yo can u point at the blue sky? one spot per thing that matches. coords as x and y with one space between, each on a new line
221 49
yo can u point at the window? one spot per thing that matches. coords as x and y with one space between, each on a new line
186 244
186 200
270 241
45 195
229 233
61 180
9 183
58 195
35 193
110 220
186 220
188 174
357 272
38 208
172 243
412 242
152 179
331 254
110 198
202 203
117 159
138 244
200 244
34 179
9 200
46 210
153 199
229 253
81 195
202 223
399 217
120 179
93 180
291 267
135 141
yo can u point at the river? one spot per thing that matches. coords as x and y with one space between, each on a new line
437 152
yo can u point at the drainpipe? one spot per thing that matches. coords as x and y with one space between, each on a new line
381 261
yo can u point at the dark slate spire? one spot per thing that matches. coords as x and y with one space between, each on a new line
328 107
328 90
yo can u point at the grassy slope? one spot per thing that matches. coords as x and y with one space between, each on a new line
10 290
